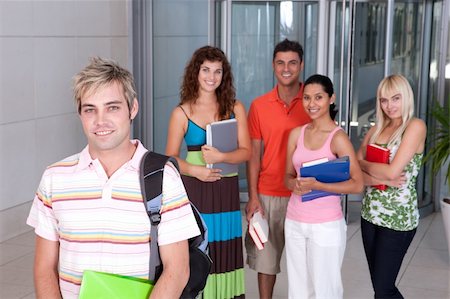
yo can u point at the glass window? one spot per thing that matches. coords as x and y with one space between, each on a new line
406 40
374 30
256 27
173 43
367 66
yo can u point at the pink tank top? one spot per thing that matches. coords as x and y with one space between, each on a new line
323 209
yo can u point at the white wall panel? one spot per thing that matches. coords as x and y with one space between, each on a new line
92 18
118 18
18 160
54 66
43 44
13 221
54 18
87 47
16 79
119 51
16 18
57 137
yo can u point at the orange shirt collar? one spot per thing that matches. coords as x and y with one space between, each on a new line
276 98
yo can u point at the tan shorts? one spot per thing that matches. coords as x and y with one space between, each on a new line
267 261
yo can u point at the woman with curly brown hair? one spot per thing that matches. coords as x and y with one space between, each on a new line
208 95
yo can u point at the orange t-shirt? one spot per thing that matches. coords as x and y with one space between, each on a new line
271 121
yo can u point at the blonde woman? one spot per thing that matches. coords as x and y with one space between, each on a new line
390 217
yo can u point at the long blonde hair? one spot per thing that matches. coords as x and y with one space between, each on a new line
394 84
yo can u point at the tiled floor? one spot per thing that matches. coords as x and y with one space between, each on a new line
425 272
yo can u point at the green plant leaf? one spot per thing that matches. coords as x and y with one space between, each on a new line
439 140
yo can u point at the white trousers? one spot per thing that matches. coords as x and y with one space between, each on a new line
314 254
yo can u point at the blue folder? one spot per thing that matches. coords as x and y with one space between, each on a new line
333 171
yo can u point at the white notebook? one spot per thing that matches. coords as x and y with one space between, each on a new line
314 162
223 136
259 230
255 238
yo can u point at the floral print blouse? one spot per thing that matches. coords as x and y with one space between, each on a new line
394 208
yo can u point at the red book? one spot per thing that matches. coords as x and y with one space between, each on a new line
378 154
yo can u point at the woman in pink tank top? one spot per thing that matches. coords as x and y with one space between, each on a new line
315 230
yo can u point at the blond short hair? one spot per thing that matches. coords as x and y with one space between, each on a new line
101 72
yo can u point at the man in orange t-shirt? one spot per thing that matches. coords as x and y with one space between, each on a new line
271 118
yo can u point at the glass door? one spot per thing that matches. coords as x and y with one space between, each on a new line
373 39
249 31
256 27
355 42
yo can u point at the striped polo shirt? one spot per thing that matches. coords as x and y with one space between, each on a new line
101 223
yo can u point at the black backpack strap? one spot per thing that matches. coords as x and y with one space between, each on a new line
151 179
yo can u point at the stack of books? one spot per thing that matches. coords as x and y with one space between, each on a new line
258 228
378 154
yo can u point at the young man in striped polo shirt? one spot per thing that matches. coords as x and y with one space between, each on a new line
88 212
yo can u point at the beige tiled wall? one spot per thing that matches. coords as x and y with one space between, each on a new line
42 45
